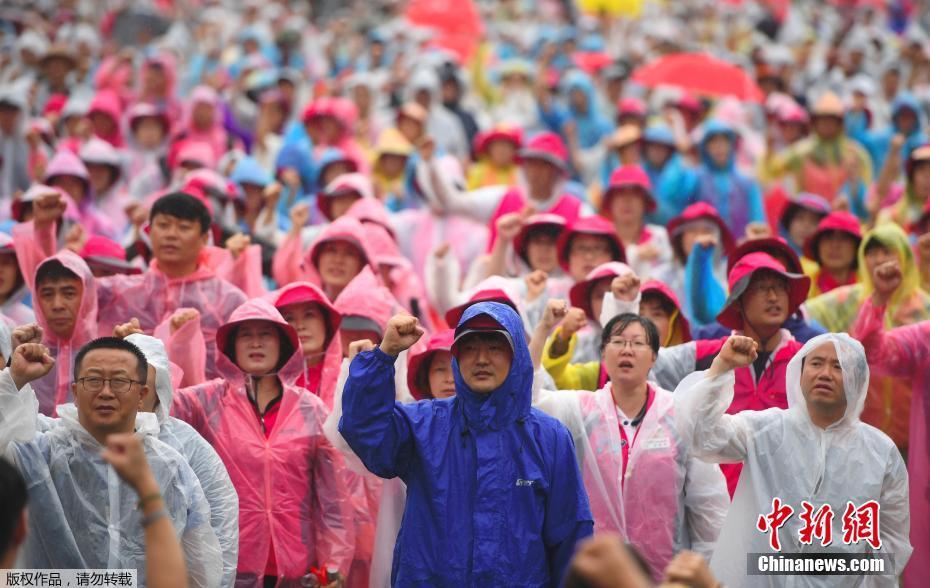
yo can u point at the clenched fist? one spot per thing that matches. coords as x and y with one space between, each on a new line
575 320
356 347
556 310
181 317
23 334
126 329
625 287
535 284
738 351
401 333
30 362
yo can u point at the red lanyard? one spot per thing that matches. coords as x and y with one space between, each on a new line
625 444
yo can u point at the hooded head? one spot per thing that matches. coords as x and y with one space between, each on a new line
713 131
510 402
251 314
366 307
302 293
166 373
65 169
892 238
814 380
423 378
338 254
56 299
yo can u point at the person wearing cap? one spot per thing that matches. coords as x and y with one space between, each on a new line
203 123
429 372
13 287
672 179
700 242
763 295
389 167
827 163
831 457
800 217
544 172
801 328
217 488
294 511
607 297
496 158
307 309
531 241
146 145
629 198
107 182
737 197
461 459
654 493
833 248
886 268
587 243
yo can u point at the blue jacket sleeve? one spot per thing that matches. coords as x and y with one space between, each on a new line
568 514
704 296
372 423
756 208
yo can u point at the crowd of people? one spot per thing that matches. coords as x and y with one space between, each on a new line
351 301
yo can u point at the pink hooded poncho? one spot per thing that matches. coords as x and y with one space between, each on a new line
55 388
293 502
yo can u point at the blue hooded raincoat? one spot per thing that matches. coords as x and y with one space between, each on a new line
494 494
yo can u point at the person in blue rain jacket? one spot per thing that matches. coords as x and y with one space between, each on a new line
907 119
736 196
494 494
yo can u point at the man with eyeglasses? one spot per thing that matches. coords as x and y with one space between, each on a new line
641 478
89 517
763 295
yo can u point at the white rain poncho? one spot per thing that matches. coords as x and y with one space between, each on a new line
668 501
203 459
82 515
786 456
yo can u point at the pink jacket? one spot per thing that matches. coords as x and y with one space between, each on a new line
292 495
904 352
667 500
55 388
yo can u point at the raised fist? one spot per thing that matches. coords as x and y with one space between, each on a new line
575 320
535 284
625 287
509 225
556 310
238 243
48 208
30 362
401 333
181 317
300 214
738 351
23 334
356 347
126 329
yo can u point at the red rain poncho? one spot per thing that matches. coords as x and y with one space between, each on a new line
292 494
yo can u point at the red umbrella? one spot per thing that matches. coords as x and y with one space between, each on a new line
699 73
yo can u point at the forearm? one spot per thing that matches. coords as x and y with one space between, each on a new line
19 410
369 423
164 560
701 402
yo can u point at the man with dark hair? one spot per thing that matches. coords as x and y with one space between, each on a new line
181 276
63 467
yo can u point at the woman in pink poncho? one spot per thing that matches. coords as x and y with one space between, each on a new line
904 352
305 307
641 480
293 503
203 122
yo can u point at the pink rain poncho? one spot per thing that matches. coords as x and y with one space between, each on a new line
320 379
13 307
665 500
904 352
292 495
290 265
107 103
55 387
215 136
